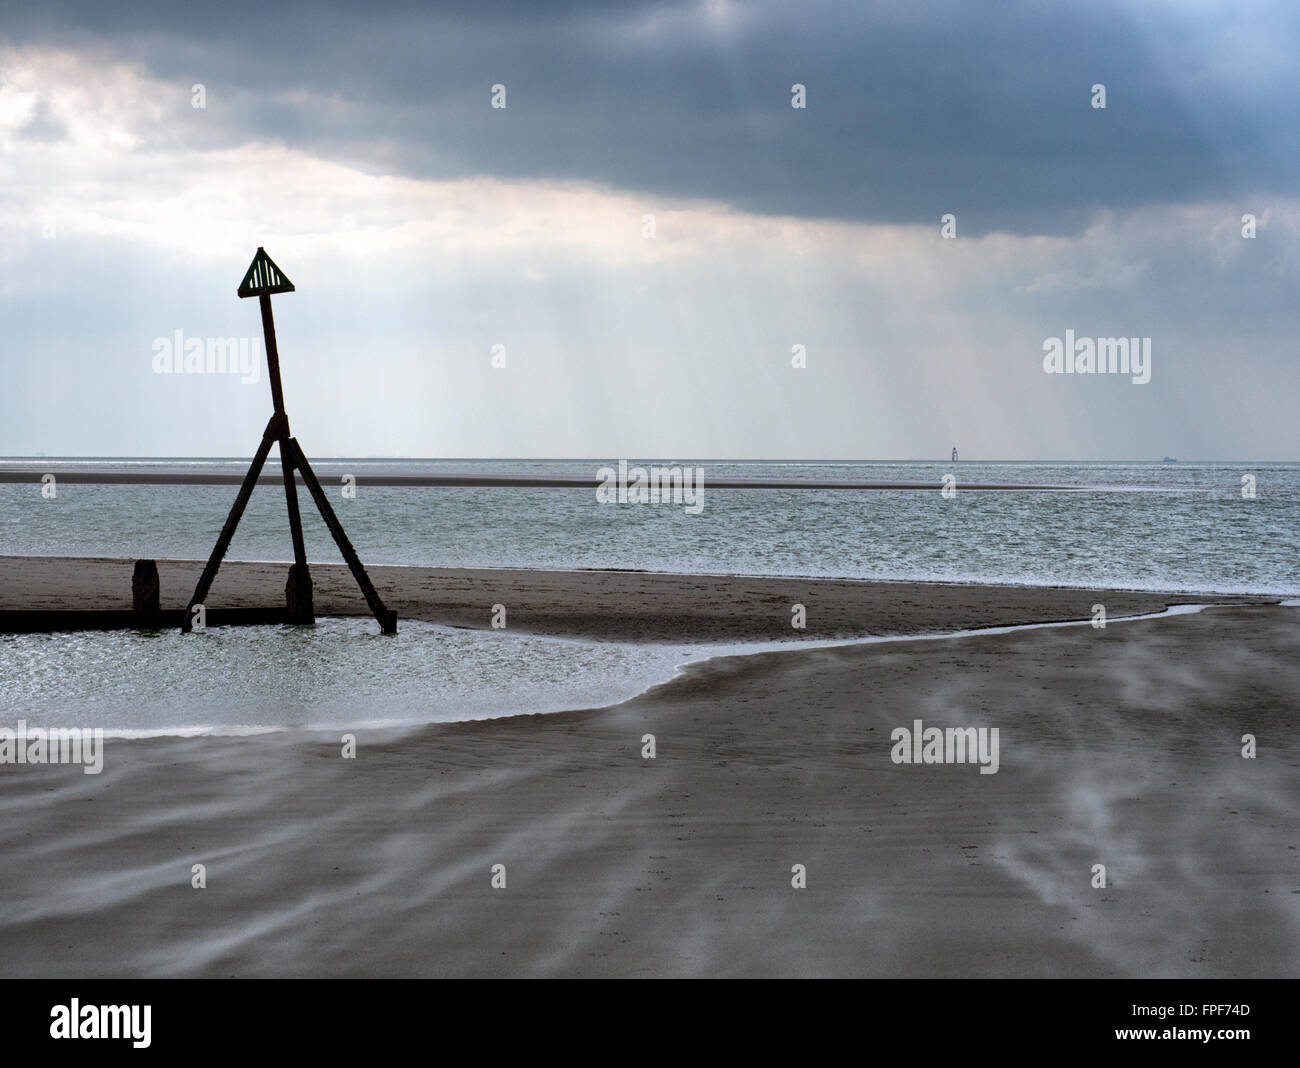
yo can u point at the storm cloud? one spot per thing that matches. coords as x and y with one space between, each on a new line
980 109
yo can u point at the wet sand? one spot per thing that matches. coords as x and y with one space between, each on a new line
622 605
1119 746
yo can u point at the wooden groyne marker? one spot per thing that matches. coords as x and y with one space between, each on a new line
261 280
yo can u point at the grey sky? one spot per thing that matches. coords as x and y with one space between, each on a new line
423 226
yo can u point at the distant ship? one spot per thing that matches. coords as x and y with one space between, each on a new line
1170 460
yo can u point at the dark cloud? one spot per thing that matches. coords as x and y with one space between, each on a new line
978 109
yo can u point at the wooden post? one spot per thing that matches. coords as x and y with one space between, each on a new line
299 601
144 593
298 595
261 280
272 351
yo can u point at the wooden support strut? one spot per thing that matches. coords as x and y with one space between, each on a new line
269 436
386 617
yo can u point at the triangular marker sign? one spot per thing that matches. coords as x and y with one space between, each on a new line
264 277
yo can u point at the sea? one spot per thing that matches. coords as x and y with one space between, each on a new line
1220 527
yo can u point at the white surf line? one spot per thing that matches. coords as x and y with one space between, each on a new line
235 730
758 648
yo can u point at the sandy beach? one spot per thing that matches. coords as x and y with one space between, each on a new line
1119 747
622 605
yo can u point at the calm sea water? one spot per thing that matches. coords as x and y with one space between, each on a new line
1183 527
341 672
